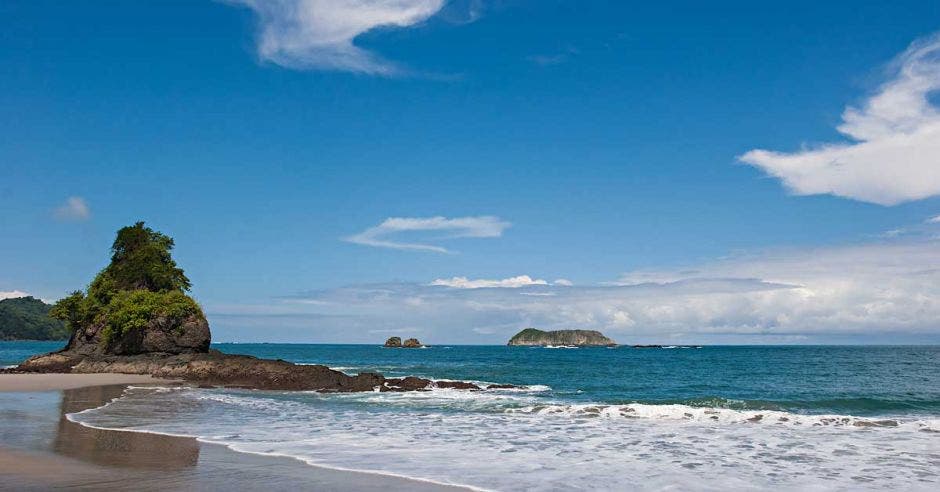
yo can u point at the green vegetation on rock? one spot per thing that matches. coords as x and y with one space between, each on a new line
140 287
580 338
27 318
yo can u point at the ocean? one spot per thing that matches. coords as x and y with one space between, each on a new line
715 417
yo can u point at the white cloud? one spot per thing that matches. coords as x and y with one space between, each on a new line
934 220
458 227
511 283
563 282
895 153
75 208
12 294
888 289
321 34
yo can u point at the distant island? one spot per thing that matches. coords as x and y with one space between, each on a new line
27 318
577 338
395 342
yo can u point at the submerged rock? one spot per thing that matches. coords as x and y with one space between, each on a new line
577 338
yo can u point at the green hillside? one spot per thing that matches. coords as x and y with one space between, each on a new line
27 318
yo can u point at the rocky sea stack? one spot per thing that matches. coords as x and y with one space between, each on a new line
136 318
395 342
576 338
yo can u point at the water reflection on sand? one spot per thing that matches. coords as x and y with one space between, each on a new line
113 448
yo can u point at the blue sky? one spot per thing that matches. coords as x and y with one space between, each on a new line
667 145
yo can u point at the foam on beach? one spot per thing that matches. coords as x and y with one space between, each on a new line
525 439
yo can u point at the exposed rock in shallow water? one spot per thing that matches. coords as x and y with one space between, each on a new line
409 383
211 369
241 371
393 342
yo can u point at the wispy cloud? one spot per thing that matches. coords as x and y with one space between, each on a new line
934 220
553 58
321 34
506 283
895 156
458 227
75 208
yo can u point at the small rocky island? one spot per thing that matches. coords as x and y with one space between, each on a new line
559 338
136 318
395 342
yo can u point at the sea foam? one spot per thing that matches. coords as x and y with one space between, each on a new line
520 440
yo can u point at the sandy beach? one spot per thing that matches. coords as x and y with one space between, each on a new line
49 382
42 449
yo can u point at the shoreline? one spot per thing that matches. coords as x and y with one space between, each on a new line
42 448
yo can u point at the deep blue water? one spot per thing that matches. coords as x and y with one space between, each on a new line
856 380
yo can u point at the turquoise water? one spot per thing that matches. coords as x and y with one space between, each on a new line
836 379
12 353
859 380
827 418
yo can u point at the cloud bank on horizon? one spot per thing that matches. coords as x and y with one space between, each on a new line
895 153
878 289
320 34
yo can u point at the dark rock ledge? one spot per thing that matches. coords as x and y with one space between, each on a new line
213 368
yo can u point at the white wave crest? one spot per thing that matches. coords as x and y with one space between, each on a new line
705 414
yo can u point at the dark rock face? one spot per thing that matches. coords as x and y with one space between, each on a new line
161 335
212 368
412 343
578 338
393 342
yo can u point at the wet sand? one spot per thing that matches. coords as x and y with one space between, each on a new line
41 449
47 382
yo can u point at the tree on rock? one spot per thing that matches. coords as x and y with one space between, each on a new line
138 303
140 259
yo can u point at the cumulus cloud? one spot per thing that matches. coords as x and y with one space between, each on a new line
75 208
934 220
894 155
12 294
321 34
458 227
886 289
